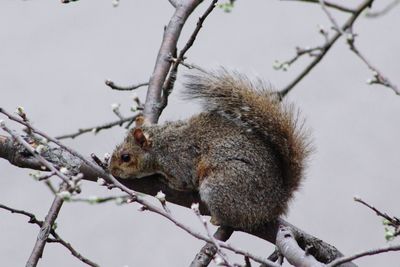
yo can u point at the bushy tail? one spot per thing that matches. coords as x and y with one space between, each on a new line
252 106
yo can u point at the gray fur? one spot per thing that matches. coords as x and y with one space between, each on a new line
244 163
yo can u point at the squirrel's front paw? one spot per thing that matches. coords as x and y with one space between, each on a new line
215 221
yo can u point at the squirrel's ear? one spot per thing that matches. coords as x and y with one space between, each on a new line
139 136
139 121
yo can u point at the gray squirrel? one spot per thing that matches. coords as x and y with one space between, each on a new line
245 153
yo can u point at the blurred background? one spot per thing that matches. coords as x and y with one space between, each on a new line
54 59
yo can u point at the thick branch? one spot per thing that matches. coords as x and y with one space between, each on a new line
168 46
170 80
288 247
321 250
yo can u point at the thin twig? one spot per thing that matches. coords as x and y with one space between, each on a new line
369 252
96 129
189 65
384 11
67 1
46 176
365 4
57 238
113 86
312 52
32 217
330 16
379 78
73 251
100 200
329 4
393 220
51 187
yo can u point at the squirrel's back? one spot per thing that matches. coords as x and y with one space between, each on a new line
252 106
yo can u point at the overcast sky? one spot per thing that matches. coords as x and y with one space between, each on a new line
54 59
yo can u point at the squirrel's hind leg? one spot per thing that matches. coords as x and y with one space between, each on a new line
224 195
208 194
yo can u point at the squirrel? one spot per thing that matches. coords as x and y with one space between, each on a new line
244 154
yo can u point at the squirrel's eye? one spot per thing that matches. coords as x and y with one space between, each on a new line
125 157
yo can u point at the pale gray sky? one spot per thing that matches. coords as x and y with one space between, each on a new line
54 59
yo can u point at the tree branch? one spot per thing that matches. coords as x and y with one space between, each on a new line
172 32
288 247
370 252
379 78
349 23
384 11
393 220
44 163
153 184
57 238
170 80
113 86
321 250
208 251
45 230
390 221
96 129
328 4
